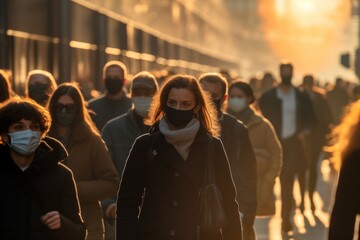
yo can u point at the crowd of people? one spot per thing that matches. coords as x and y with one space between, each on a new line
132 162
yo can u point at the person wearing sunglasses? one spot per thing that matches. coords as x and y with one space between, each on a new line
38 197
94 172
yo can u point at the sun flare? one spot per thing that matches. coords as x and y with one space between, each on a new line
304 31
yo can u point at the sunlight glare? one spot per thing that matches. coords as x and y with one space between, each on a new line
296 29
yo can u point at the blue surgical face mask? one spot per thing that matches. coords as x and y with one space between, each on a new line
142 105
24 142
237 104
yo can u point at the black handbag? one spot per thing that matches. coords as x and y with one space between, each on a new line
212 216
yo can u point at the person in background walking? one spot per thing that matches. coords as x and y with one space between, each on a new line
346 155
40 85
291 113
94 172
238 148
170 163
120 133
114 101
316 139
38 197
338 98
263 138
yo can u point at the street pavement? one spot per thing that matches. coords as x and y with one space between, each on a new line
307 226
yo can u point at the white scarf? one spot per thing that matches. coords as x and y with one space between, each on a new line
182 138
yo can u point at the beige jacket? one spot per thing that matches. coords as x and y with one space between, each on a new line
268 153
96 179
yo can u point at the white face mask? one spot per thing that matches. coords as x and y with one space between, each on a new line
142 105
237 104
25 142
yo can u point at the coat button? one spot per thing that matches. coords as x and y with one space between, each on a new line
175 203
177 174
172 233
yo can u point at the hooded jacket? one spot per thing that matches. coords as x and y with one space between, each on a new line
45 186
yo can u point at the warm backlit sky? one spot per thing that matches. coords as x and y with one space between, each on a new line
310 33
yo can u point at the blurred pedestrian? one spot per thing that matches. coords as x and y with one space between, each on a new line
5 86
316 139
120 133
38 194
338 99
165 169
241 156
347 157
263 138
114 101
40 85
291 113
268 82
94 172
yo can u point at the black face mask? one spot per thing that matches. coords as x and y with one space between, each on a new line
179 117
37 92
114 85
65 119
286 80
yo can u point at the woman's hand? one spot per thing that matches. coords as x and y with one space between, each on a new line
52 220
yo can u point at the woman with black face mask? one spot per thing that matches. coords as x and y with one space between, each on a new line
166 169
94 172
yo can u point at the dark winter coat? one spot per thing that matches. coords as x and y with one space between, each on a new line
347 200
271 108
169 209
103 109
239 150
119 135
45 186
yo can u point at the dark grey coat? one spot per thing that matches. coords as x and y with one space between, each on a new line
169 206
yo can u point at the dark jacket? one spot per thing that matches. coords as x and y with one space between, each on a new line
103 109
45 186
347 200
119 135
242 160
271 108
169 209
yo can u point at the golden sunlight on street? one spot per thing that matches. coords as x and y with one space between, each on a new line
304 31
307 225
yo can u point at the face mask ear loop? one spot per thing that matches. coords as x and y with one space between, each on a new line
9 139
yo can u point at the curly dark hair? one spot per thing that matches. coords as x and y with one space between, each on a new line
16 108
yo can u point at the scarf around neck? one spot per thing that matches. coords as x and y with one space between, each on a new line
182 138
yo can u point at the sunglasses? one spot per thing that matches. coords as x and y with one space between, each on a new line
69 108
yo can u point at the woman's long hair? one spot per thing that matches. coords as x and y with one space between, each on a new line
207 114
82 126
346 136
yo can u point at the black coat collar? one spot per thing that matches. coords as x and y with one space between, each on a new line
167 154
47 155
